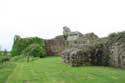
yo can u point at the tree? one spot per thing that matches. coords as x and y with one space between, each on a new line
0 50
34 50
5 53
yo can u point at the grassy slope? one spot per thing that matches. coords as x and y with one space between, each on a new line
6 70
52 70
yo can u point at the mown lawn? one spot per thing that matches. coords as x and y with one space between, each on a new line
52 70
5 70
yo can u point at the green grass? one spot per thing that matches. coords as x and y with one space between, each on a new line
53 70
5 70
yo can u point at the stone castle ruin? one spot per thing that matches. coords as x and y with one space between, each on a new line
118 55
79 49
55 46
82 51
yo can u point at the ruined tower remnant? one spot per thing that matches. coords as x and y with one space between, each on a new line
118 55
66 31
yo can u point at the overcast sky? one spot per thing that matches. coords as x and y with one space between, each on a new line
45 18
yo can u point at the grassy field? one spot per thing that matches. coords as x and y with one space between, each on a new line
6 70
52 70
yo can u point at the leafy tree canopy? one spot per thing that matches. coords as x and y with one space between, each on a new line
22 45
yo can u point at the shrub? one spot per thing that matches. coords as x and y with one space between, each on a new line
116 37
4 59
34 50
18 58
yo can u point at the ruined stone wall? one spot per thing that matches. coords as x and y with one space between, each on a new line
79 49
118 55
55 46
83 50
86 54
116 43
